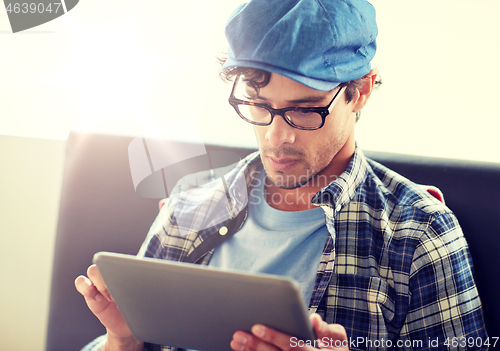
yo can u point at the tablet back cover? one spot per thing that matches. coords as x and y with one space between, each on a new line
196 307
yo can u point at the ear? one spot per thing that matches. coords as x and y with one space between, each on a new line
363 94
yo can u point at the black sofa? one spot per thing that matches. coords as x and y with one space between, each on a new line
100 211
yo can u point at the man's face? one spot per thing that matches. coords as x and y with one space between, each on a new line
292 157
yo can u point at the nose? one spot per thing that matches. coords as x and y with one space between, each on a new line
279 132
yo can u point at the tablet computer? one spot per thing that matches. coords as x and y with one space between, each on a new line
197 307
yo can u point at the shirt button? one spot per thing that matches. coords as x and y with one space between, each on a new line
223 231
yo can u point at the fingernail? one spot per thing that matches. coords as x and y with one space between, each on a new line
98 297
240 339
259 330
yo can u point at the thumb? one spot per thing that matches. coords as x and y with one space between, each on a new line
331 332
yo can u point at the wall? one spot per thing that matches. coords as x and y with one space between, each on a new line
30 184
132 67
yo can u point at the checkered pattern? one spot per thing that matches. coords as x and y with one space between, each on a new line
395 269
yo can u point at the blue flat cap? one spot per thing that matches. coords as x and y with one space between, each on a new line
319 43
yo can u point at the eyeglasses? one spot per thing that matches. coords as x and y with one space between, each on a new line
304 118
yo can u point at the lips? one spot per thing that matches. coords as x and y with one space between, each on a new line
282 164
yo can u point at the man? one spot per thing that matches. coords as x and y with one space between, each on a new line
381 262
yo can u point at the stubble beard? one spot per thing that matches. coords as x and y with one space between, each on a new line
291 181
312 173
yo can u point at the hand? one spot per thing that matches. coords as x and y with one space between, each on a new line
329 337
102 305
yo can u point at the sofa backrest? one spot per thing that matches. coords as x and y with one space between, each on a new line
100 211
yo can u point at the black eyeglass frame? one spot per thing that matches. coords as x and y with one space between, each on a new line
322 111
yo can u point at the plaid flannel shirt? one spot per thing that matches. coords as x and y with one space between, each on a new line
395 271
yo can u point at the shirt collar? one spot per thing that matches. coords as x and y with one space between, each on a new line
343 189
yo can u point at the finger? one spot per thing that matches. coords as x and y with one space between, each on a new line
319 326
105 310
315 320
243 341
96 302
85 287
334 333
96 278
270 337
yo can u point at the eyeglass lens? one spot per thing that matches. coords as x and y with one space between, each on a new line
296 117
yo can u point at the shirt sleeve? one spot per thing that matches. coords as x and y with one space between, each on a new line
444 309
152 243
96 345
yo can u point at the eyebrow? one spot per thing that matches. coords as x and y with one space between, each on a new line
307 99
